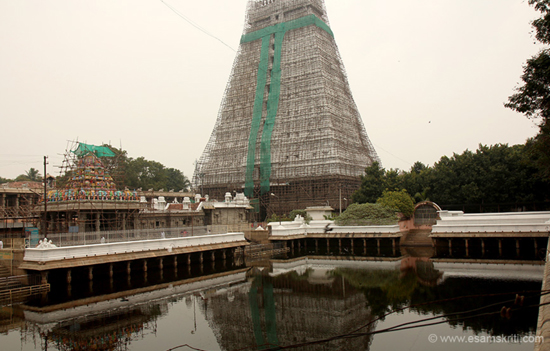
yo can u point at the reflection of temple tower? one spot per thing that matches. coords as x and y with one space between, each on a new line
287 124
288 310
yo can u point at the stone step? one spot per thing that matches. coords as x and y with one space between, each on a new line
419 237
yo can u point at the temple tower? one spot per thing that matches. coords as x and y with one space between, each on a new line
288 132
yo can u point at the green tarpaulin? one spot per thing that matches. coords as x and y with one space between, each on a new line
279 31
99 151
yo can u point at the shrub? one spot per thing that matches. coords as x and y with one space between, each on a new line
399 201
367 214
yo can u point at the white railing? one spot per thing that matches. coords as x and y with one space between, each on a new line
513 222
90 238
282 229
169 244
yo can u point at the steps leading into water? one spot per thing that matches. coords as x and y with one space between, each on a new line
417 237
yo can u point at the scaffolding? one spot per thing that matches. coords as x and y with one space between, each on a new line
88 198
288 124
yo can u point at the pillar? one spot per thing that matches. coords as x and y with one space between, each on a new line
189 259
316 245
378 246
224 255
90 273
352 242
450 246
111 270
340 246
517 247
466 244
145 265
161 264
365 246
500 247
97 222
82 217
483 246
69 277
213 256
176 262
201 258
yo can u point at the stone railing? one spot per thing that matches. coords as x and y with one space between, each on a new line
69 252
296 228
515 222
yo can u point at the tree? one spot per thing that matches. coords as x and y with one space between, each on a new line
4 180
176 180
533 97
145 174
374 182
399 201
32 175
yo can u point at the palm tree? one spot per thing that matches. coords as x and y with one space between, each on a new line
32 175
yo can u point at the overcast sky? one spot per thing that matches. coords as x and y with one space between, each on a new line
429 76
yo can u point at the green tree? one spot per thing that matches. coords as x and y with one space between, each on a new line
142 173
32 175
176 180
373 184
399 201
4 180
532 98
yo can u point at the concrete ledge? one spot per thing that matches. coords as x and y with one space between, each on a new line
488 234
90 261
75 256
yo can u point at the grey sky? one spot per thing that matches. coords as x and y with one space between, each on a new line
429 76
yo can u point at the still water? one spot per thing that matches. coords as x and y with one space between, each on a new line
309 302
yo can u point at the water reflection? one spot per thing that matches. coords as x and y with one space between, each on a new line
300 301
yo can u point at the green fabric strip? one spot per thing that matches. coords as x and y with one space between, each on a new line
279 30
272 108
294 24
256 117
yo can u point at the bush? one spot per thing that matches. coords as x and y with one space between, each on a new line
275 218
399 201
303 213
367 214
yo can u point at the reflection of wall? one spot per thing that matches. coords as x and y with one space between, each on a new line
113 330
289 310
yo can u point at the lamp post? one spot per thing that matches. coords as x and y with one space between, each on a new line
45 225
278 206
